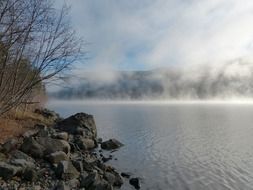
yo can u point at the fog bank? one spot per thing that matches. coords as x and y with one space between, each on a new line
232 80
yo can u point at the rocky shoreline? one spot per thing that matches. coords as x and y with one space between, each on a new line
67 155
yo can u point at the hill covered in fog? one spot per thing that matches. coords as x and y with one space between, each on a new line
231 80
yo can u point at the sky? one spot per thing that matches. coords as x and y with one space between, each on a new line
147 34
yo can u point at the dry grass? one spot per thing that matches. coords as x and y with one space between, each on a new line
16 123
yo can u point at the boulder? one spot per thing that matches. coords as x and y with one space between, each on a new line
17 154
56 157
111 144
80 123
22 163
7 171
53 145
65 170
32 147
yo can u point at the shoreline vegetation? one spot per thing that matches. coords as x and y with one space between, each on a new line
49 152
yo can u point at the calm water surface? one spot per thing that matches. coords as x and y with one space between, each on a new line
177 146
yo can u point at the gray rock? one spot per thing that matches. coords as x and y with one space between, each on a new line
22 163
62 186
56 157
79 123
99 140
94 181
17 154
7 171
113 178
10 145
30 133
43 133
65 170
87 181
135 182
32 147
48 114
78 164
62 135
126 174
30 175
53 145
85 144
111 144
73 183
3 157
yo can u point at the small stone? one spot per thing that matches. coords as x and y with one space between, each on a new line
125 174
135 182
111 144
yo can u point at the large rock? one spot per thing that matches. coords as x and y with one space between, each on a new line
22 163
80 123
7 171
56 157
32 147
53 145
17 154
42 146
111 144
65 170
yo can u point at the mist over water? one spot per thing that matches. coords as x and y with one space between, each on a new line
229 81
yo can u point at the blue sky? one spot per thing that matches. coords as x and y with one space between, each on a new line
134 34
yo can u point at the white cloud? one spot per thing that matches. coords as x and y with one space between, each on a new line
165 32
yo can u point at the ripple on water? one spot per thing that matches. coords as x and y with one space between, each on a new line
179 147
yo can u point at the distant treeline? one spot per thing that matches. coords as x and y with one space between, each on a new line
230 80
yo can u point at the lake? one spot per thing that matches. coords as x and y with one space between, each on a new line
178 146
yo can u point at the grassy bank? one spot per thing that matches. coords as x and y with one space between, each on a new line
16 123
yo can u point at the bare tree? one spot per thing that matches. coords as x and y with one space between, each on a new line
37 43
